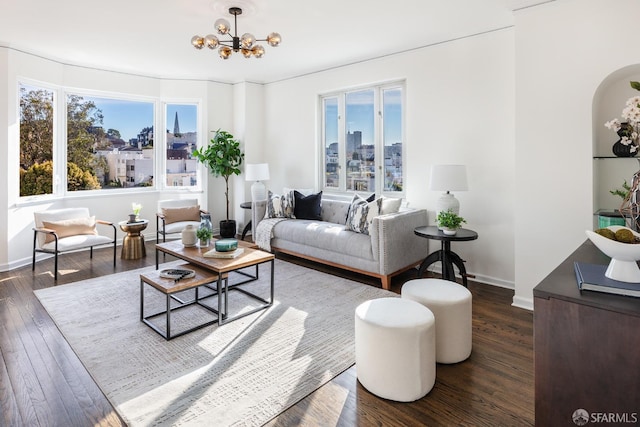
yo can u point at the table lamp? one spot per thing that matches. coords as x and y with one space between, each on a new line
257 172
448 178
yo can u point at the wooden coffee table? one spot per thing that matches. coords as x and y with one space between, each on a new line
170 287
222 267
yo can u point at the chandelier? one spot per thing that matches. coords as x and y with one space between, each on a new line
245 44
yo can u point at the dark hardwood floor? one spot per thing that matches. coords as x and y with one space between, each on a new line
42 382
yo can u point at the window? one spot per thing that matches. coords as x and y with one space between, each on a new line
110 144
102 135
36 140
362 140
181 139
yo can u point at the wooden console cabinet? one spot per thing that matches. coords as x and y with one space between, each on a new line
587 347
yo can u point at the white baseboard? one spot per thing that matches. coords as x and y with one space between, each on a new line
520 302
488 280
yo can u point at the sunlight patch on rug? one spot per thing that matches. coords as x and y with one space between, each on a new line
245 372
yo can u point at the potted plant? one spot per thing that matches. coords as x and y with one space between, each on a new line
204 235
449 222
223 157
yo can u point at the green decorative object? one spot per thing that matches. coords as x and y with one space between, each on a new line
226 245
449 220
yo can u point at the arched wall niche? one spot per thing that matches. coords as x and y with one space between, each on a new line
609 173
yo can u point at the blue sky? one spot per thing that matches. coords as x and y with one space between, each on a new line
129 117
360 114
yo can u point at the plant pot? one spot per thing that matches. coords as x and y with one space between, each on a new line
450 231
227 228
204 243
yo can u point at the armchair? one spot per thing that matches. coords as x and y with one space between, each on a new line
174 215
63 230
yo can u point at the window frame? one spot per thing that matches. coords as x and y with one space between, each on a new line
378 139
55 136
59 156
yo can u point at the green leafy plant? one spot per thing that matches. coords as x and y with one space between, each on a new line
222 157
622 192
204 233
448 219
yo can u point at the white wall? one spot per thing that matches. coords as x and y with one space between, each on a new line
17 216
459 109
564 51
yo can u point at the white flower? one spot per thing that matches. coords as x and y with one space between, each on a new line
613 125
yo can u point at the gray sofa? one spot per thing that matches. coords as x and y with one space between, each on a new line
389 249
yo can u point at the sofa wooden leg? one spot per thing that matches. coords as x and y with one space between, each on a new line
386 282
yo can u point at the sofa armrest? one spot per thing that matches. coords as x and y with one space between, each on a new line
258 210
394 243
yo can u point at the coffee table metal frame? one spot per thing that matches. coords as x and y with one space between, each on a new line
251 257
169 287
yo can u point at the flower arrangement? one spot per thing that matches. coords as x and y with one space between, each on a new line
629 130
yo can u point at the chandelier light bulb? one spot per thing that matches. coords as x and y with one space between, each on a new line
274 39
247 40
222 26
246 52
257 51
211 41
225 52
197 42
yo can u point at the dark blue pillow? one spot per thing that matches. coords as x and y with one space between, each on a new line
307 207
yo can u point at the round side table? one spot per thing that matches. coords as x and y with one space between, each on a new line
133 242
445 254
246 205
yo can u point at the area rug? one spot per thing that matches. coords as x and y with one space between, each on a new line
243 373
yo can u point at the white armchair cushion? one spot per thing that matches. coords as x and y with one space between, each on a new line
177 227
77 242
55 215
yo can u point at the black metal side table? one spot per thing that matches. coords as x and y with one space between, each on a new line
246 205
448 257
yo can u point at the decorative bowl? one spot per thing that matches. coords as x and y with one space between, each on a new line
226 245
623 265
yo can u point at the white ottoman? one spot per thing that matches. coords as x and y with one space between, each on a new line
451 306
395 348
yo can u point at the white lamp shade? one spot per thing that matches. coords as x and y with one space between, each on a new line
256 171
448 178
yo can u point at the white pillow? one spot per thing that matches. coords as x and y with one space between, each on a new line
361 214
389 205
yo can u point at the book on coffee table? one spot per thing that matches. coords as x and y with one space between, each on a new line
218 254
591 277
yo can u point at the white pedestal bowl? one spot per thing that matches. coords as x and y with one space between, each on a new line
623 265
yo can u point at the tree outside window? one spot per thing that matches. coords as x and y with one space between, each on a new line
36 140
109 143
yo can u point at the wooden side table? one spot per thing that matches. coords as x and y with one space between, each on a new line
445 254
133 242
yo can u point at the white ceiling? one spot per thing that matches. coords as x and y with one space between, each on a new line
152 37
